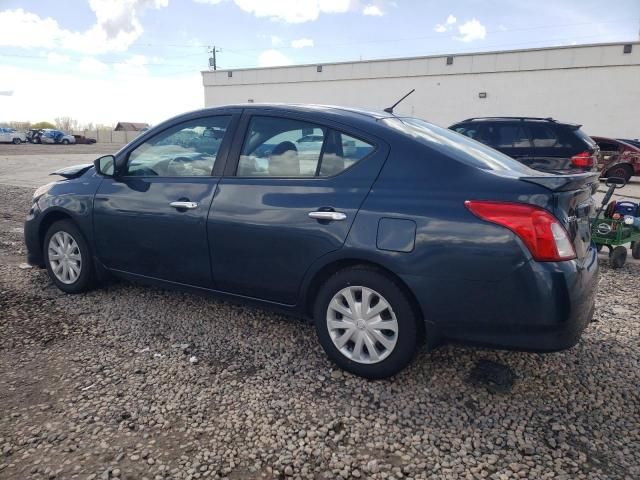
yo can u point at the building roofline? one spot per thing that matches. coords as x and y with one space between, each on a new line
423 57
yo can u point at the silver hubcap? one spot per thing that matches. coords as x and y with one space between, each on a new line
362 324
64 257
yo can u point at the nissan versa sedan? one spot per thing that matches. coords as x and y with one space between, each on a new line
391 233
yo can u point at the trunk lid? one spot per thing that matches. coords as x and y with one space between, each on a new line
573 204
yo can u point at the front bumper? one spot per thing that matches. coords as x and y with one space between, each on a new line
32 238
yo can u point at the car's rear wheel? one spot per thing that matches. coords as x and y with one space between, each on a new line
65 141
17 141
68 258
366 323
620 171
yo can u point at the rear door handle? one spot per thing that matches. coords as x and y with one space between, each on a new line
184 205
319 215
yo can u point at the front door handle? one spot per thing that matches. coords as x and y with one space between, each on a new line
184 205
320 215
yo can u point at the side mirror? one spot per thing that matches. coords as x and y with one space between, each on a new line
105 165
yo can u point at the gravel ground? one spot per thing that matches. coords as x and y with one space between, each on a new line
38 148
103 385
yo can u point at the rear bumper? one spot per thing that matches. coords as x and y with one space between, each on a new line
541 307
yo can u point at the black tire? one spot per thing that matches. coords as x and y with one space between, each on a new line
620 171
635 250
86 278
408 335
17 141
618 257
65 142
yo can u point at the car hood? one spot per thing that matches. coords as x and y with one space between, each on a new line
73 171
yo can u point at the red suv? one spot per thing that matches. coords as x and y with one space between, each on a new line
618 158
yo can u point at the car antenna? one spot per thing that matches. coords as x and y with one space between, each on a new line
390 109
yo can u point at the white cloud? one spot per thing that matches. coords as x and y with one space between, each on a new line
471 30
117 26
209 2
23 29
447 25
273 58
276 40
102 98
134 65
292 11
373 11
302 43
92 66
57 59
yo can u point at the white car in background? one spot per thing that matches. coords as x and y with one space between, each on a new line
11 135
56 136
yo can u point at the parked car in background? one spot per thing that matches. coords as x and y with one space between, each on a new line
11 135
635 142
56 136
34 134
541 143
402 232
618 158
83 139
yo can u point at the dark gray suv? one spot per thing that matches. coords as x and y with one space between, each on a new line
541 143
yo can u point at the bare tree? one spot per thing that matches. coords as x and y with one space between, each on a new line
20 125
66 124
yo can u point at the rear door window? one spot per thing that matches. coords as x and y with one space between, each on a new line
508 136
470 130
284 147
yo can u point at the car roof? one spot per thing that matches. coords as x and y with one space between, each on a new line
353 113
354 117
548 120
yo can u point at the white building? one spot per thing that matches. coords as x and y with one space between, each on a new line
594 85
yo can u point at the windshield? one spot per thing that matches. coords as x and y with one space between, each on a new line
457 146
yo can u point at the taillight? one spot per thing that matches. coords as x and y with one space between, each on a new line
544 236
582 160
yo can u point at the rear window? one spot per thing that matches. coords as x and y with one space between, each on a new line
458 146
583 136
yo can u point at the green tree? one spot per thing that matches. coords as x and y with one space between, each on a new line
43 125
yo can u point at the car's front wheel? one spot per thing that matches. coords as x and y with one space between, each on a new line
17 141
67 257
65 142
366 323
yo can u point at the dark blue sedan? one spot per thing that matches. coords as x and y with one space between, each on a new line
388 232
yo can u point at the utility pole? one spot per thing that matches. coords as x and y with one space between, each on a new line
212 59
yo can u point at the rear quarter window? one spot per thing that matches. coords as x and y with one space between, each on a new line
457 146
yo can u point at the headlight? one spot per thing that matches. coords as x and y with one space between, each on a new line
40 191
